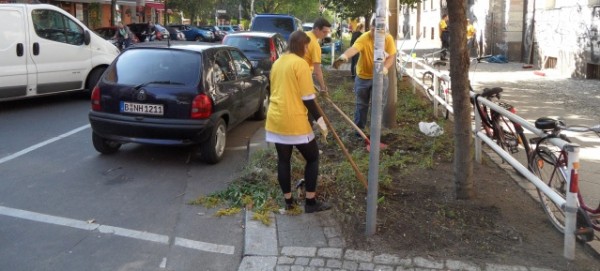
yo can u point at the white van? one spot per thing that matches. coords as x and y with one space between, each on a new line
44 50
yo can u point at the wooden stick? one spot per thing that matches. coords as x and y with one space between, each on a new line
359 175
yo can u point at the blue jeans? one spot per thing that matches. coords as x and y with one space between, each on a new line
362 90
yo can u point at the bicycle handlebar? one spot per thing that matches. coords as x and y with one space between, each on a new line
578 128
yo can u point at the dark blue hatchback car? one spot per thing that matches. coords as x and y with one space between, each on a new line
182 93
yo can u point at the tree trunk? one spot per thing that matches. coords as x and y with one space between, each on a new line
113 6
459 72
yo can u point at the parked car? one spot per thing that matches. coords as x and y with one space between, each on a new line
227 28
161 32
328 42
281 23
307 27
218 33
182 94
175 34
262 48
195 34
109 33
236 28
46 51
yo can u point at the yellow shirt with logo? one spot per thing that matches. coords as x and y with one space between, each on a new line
291 80
313 54
365 44
470 31
443 27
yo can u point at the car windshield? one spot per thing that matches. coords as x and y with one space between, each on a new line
249 44
158 66
272 24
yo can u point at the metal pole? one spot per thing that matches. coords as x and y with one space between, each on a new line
571 205
376 110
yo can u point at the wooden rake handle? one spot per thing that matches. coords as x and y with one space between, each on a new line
359 175
351 122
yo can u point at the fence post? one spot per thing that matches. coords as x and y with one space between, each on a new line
436 89
478 142
414 73
571 205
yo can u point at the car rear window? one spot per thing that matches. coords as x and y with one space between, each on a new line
139 66
273 24
249 44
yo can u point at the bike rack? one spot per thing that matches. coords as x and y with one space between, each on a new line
569 205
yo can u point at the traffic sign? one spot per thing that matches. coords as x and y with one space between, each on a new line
220 11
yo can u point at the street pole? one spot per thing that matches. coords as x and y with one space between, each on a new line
376 109
252 9
240 14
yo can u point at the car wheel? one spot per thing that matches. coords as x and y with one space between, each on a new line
199 38
105 146
261 113
212 150
92 80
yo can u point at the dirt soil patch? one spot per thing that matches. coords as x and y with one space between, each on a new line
418 214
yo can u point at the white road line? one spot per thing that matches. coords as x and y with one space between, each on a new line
182 242
42 144
140 235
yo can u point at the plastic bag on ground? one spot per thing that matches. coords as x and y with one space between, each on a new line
430 128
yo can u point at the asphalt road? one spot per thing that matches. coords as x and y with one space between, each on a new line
64 206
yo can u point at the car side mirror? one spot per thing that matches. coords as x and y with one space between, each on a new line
86 37
256 71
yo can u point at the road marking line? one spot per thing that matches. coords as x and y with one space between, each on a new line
140 235
199 245
42 144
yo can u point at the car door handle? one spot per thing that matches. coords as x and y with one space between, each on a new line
19 49
36 48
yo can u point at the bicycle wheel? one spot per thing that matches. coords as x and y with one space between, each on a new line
446 95
544 164
427 79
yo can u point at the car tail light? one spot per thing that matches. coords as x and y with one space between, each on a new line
272 49
201 107
96 99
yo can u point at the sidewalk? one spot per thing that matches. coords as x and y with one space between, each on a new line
314 242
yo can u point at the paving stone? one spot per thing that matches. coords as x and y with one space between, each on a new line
358 255
540 269
499 267
463 266
336 242
297 268
387 259
310 268
317 262
257 263
299 251
302 261
334 263
350 265
285 260
384 268
334 253
422 262
403 268
324 269
366 266
282 268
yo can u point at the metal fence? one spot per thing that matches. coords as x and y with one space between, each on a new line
569 205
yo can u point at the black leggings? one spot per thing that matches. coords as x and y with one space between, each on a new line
310 152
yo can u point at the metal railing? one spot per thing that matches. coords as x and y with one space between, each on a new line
569 205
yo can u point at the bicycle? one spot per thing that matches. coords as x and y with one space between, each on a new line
509 135
549 163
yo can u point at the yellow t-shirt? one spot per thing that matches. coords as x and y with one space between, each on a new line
313 54
365 44
470 31
291 79
443 27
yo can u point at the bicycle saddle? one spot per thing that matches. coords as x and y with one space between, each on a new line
490 92
439 63
545 123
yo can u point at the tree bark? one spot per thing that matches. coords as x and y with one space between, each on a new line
459 72
113 5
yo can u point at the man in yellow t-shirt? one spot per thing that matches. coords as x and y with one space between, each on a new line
470 36
363 83
444 36
321 27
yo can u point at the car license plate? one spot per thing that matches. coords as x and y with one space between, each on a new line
146 109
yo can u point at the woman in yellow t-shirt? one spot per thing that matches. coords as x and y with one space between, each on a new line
292 98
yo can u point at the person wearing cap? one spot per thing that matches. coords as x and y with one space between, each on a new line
288 126
363 83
